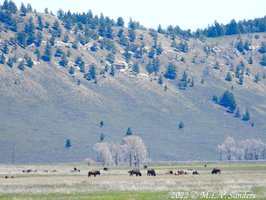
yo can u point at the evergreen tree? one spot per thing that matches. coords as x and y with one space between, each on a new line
23 10
250 60
40 23
228 77
227 100
256 78
38 54
110 57
131 35
246 45
92 71
263 60
2 59
246 117
63 62
29 61
181 125
71 70
39 37
112 71
10 62
160 80
171 71
21 38
156 65
129 131
120 22
47 52
58 52
159 49
237 113
149 68
101 124
262 48
151 52
21 65
102 136
68 143
240 46
135 68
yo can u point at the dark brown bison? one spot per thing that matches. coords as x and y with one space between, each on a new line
151 172
94 173
75 170
134 171
106 169
170 172
216 171
195 173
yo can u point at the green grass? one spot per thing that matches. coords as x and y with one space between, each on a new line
93 196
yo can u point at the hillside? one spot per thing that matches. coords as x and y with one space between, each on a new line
55 83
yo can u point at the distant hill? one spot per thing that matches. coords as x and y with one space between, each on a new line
61 75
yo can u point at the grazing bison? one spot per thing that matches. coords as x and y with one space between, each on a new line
75 170
151 172
106 169
93 173
195 173
216 171
170 172
134 171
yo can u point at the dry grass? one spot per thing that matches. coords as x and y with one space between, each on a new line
238 179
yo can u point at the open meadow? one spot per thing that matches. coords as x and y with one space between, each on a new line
58 182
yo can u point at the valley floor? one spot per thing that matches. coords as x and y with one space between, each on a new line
237 181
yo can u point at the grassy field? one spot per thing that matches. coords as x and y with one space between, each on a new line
235 180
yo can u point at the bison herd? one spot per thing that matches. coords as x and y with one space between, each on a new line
132 172
151 172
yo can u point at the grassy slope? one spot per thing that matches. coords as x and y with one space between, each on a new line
46 106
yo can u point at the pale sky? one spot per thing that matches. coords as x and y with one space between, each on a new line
188 14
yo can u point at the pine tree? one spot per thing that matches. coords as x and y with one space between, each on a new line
9 62
237 113
160 80
135 68
71 70
263 60
181 125
240 46
171 71
102 136
227 100
63 62
112 71
120 22
156 65
246 117
47 52
38 54
250 60
228 77
23 10
2 59
68 143
129 131
101 124
149 68
21 65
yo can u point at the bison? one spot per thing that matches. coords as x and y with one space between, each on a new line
195 173
94 173
134 171
151 172
216 171
106 169
170 172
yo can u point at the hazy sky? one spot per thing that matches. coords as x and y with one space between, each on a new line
188 14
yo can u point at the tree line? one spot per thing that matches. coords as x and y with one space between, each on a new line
247 149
